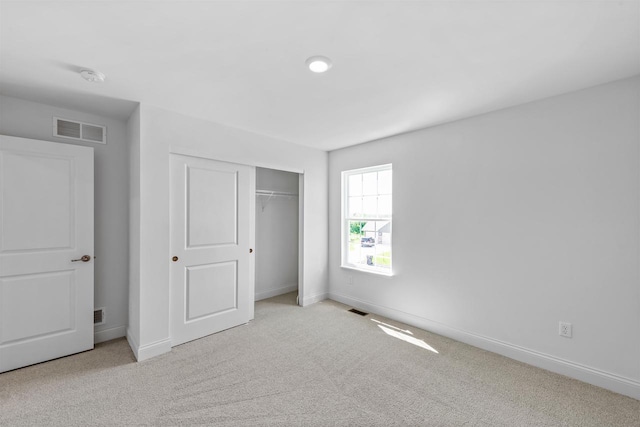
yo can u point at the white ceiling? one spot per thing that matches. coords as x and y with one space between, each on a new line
397 66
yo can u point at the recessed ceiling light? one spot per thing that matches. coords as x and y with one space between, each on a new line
92 76
318 64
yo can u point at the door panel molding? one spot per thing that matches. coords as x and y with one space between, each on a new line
206 296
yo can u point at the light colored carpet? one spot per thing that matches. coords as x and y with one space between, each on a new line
313 366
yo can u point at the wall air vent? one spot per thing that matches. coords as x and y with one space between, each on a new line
98 316
80 131
358 312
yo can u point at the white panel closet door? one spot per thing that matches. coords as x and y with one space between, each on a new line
212 220
46 215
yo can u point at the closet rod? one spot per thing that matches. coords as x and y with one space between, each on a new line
275 193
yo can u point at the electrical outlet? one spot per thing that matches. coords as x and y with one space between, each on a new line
565 330
349 280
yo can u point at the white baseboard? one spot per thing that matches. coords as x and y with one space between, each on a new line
150 350
133 343
314 299
109 334
275 292
613 382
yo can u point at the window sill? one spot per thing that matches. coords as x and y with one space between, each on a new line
368 270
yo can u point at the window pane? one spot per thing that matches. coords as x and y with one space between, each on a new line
370 206
384 206
355 257
382 257
356 234
356 229
384 182
370 183
355 185
369 230
355 206
370 244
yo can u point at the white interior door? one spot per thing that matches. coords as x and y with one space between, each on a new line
46 215
212 269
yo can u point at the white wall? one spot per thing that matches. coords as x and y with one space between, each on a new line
276 251
28 119
276 180
509 222
162 132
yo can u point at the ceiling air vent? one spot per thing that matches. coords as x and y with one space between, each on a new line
81 131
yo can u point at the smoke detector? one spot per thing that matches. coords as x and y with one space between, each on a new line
92 76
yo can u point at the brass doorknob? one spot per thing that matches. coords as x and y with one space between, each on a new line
174 259
84 258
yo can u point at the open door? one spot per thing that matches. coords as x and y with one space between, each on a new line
212 271
46 251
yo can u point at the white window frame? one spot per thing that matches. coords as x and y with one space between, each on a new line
345 229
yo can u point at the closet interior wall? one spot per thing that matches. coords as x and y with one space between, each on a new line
276 233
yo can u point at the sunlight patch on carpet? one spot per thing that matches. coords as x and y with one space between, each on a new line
406 331
407 338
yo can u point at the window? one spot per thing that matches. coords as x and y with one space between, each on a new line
366 219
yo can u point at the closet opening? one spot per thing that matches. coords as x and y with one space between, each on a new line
278 234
